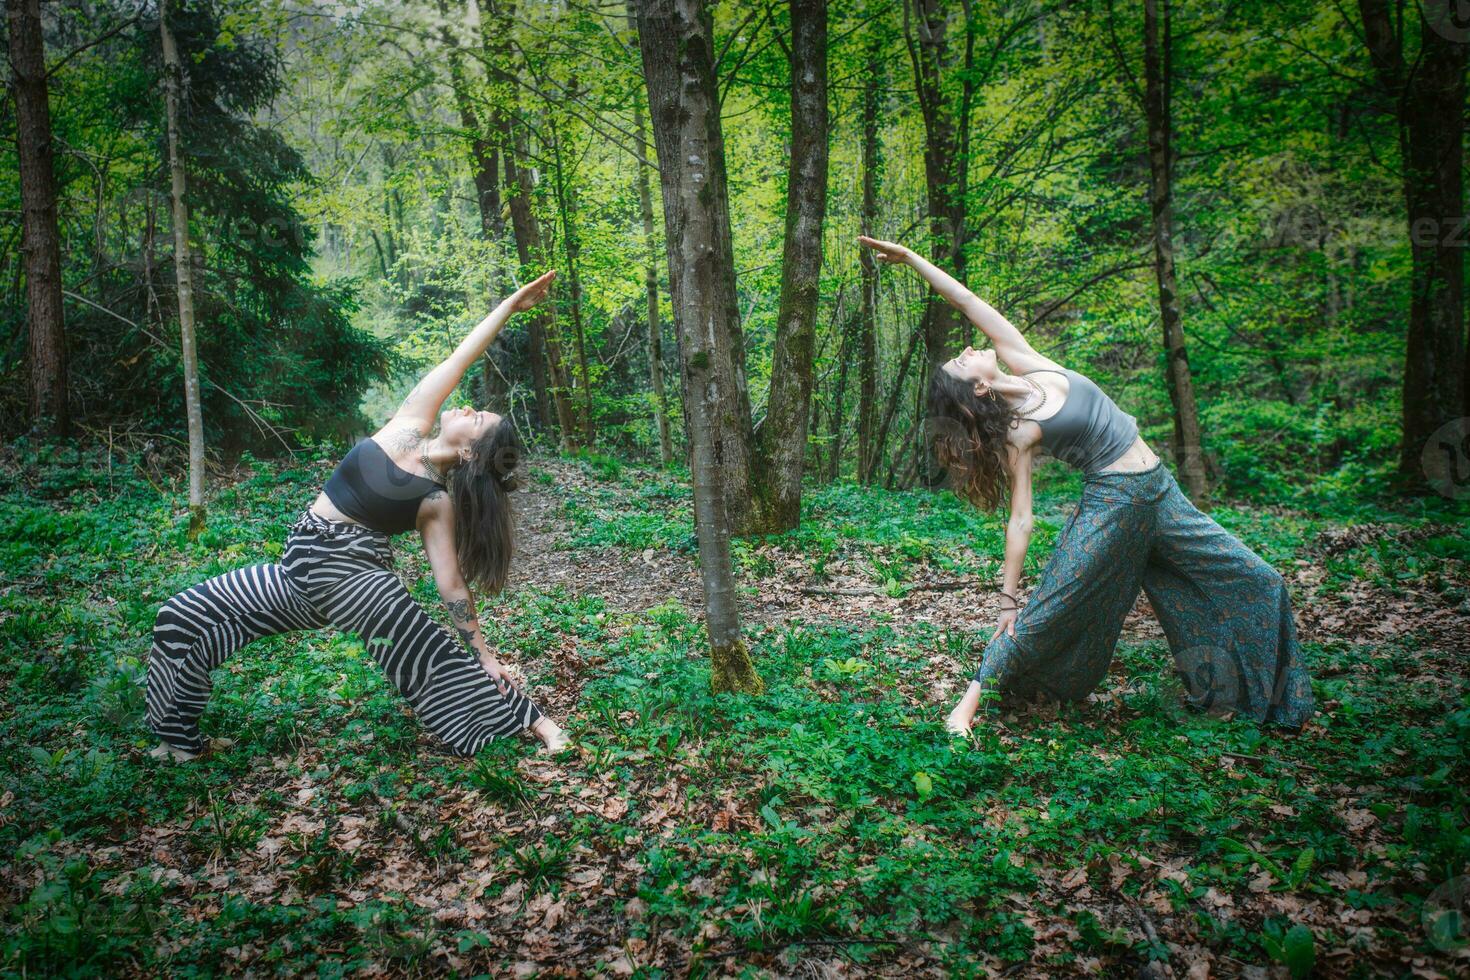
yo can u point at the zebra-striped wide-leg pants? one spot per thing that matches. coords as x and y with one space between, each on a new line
331 574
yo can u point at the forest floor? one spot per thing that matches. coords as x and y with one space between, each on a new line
826 828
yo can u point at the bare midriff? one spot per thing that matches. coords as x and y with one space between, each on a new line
1137 457
324 508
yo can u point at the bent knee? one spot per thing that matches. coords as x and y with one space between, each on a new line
172 617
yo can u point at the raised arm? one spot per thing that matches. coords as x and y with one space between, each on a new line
421 408
436 527
1010 345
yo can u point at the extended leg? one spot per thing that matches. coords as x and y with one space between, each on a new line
1227 614
1066 634
198 628
448 689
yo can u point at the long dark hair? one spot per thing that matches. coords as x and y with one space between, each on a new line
483 523
968 433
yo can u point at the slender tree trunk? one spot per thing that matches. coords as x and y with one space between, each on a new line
485 174
676 38
1189 451
650 280
529 252
183 270
566 204
895 400
390 252
925 28
547 371
782 448
868 316
1428 95
40 239
484 154
545 351
848 340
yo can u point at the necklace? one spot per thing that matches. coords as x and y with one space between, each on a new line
1040 391
434 473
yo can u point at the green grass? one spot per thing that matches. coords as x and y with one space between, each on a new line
327 833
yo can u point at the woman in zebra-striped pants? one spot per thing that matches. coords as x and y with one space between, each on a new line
332 574
337 571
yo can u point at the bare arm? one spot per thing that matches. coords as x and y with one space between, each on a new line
1010 345
436 527
421 407
1018 527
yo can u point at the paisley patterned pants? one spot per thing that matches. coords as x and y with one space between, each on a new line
1225 611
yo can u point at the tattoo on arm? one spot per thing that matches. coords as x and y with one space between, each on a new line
404 439
434 495
460 610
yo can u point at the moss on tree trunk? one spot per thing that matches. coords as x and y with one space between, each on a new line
731 671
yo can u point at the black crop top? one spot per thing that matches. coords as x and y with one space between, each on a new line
376 492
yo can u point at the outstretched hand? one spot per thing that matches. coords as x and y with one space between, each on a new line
531 293
887 251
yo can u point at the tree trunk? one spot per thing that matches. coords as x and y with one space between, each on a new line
566 204
40 239
868 316
650 280
183 270
528 250
925 25
1188 449
1428 95
545 356
484 155
676 38
847 341
546 373
895 400
485 174
782 448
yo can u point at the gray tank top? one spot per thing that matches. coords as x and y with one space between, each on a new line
1090 431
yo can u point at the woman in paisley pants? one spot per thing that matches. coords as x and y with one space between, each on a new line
1225 611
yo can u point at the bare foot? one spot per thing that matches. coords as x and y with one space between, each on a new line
165 751
955 726
553 739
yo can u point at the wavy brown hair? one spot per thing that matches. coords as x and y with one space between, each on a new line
484 526
968 433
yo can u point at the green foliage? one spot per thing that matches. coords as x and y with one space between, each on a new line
832 810
1294 947
278 348
504 786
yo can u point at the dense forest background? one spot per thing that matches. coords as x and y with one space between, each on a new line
233 234
367 179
